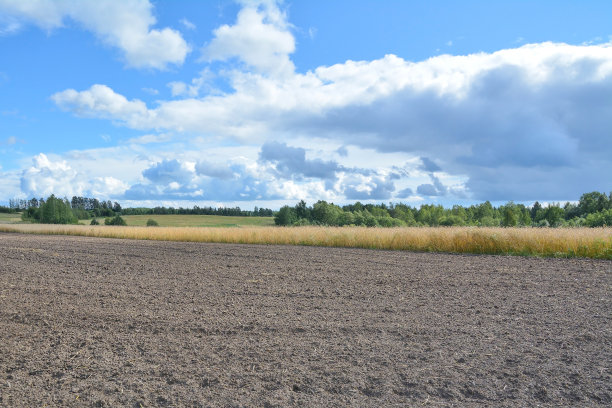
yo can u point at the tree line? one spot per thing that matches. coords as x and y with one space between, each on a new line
56 210
196 210
592 210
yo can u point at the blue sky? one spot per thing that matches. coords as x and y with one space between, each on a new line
263 103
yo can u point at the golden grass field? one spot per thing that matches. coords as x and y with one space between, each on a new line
550 242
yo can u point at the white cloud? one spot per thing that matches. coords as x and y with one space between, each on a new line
45 177
9 27
187 24
202 82
123 24
178 88
312 32
491 119
260 38
100 100
151 91
9 186
11 140
207 174
102 173
146 139
107 187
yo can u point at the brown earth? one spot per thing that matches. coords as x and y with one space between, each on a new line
107 323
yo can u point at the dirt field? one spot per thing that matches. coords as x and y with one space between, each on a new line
106 323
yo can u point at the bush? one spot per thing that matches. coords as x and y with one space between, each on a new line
370 221
94 222
451 220
543 224
599 219
116 220
152 223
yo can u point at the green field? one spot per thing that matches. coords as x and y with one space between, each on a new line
9 218
194 221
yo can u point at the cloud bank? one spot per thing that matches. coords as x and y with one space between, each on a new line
522 124
518 123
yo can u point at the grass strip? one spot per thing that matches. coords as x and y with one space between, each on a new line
548 242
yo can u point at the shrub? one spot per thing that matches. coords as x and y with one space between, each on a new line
152 223
451 220
94 222
370 221
543 224
599 219
116 220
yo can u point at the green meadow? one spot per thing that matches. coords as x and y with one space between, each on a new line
172 220
6 218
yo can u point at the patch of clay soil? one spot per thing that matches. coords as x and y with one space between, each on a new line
107 323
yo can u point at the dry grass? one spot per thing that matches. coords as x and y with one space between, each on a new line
578 242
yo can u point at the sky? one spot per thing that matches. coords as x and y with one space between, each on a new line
265 103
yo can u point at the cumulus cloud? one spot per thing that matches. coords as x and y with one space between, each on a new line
428 190
404 193
169 171
179 88
107 187
102 101
436 187
46 177
123 24
260 38
428 165
360 187
342 151
214 170
496 119
291 162
177 179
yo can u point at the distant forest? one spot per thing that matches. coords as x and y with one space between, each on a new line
592 210
55 210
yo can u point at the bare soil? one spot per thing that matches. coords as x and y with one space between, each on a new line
107 323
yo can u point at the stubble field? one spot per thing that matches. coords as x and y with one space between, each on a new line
104 322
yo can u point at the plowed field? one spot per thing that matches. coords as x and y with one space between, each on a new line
102 322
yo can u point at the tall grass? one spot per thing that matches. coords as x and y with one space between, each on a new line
550 242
